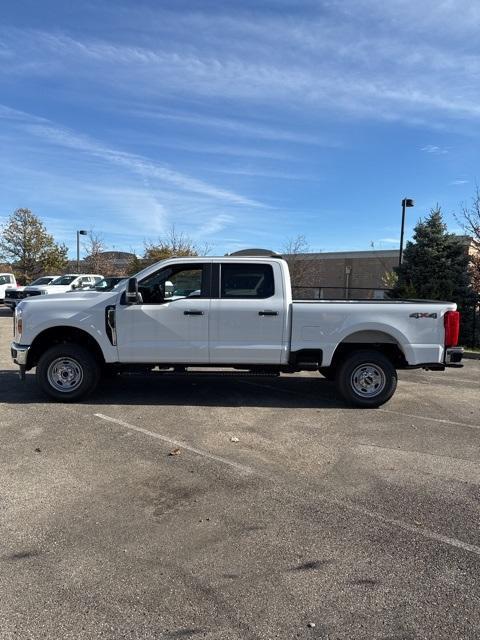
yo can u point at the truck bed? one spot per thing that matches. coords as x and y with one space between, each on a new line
416 326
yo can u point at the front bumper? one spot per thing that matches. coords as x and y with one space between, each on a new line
19 353
453 357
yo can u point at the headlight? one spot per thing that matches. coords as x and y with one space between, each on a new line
17 324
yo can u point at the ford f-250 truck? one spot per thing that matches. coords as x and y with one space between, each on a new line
229 312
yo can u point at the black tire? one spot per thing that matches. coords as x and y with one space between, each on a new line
366 379
79 372
328 372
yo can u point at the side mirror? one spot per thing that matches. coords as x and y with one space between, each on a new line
131 294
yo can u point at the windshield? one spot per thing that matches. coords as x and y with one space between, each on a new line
44 280
63 280
107 283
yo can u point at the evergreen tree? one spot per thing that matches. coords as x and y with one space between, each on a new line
435 264
25 243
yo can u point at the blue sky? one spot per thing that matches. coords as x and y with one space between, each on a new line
242 123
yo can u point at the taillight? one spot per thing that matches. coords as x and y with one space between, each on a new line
452 328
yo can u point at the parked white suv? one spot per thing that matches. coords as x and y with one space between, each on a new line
7 281
62 284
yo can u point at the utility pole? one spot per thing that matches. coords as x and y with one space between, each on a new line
81 232
406 202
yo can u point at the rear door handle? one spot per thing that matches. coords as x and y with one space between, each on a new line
268 313
193 313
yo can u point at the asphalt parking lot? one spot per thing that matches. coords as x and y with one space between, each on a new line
365 523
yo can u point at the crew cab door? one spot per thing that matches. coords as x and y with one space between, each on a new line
171 324
248 313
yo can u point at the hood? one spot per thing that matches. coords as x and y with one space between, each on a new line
72 300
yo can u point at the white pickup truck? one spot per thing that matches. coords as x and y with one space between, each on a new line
62 284
229 312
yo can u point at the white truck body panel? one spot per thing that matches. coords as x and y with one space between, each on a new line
330 323
239 335
163 333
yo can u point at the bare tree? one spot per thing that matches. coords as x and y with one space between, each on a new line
96 259
300 266
390 276
174 243
469 218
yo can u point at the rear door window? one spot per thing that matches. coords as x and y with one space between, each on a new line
246 281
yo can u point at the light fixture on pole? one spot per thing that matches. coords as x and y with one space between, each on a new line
81 232
406 202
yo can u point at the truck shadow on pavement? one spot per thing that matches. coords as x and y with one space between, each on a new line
206 390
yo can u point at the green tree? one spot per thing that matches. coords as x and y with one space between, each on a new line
435 264
32 251
135 265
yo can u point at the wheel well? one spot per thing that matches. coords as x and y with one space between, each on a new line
371 340
60 335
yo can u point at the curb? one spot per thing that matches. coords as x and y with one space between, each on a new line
471 355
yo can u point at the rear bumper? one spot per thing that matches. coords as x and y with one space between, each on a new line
19 353
453 357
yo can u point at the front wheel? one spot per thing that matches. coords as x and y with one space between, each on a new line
67 372
366 379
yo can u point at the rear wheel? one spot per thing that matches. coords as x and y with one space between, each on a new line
67 372
366 379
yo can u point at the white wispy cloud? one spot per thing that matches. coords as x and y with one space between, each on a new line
432 148
137 164
320 64
238 127
256 172
214 224
459 182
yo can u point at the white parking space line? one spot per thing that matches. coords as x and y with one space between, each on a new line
348 506
177 443
443 380
398 413
447 379
440 420
405 526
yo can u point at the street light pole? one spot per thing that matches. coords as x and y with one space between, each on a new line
406 202
81 232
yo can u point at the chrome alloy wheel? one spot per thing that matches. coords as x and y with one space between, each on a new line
65 374
368 380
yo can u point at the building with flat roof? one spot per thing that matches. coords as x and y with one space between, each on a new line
348 274
342 274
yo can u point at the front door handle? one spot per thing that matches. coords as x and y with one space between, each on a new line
193 313
268 313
